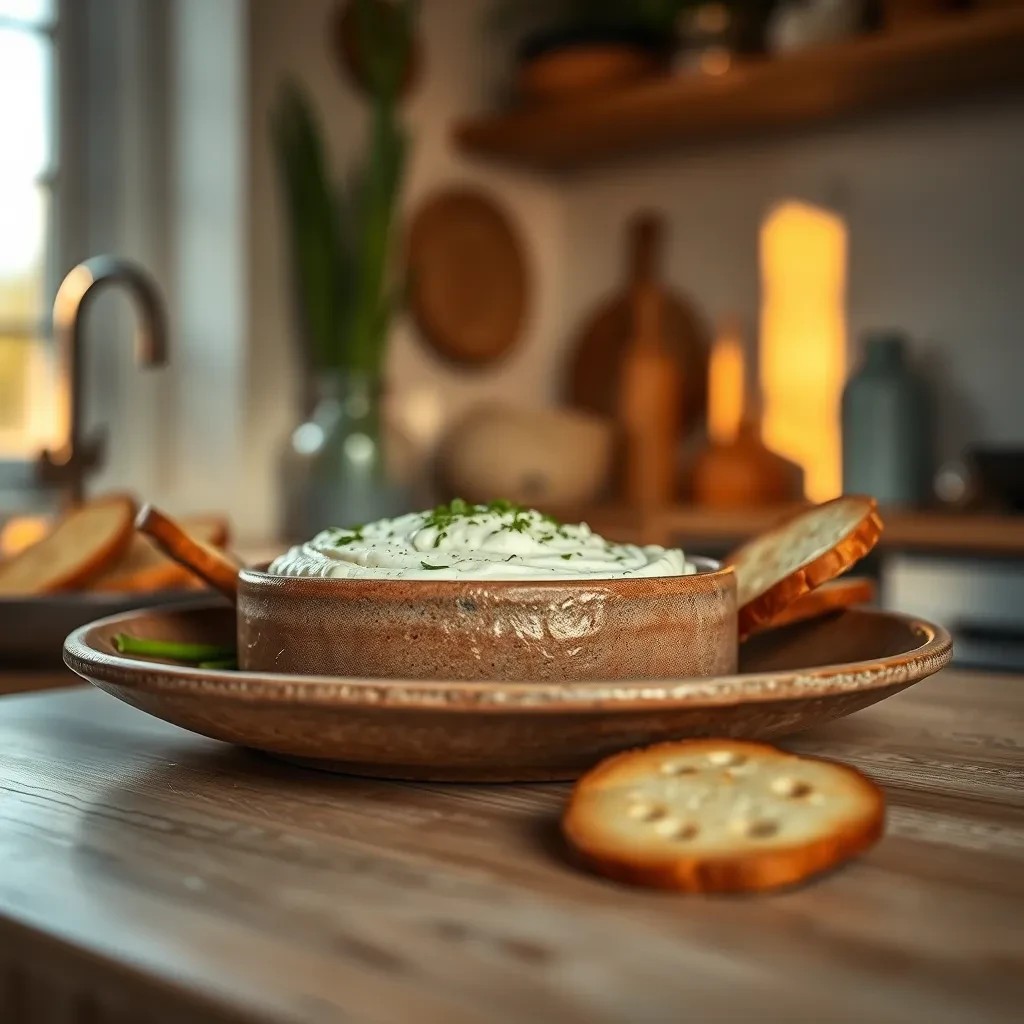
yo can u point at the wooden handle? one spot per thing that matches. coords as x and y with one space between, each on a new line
646 235
206 562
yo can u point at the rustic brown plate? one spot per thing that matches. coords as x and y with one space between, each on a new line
791 679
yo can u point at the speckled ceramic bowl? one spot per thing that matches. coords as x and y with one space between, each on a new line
564 630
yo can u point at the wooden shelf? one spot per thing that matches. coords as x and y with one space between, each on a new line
950 57
941 532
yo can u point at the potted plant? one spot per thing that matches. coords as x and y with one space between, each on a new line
341 237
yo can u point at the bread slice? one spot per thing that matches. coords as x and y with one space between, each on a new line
217 568
143 568
794 558
720 816
829 597
79 548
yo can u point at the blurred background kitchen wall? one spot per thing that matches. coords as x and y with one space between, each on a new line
463 69
930 199
169 160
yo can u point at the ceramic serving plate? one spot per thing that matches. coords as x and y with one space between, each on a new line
790 679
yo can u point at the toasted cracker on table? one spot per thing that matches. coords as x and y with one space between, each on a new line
720 815
81 545
814 546
143 567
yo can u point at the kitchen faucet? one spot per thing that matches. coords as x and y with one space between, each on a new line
68 465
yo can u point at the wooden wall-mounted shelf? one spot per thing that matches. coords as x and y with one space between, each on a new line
949 533
950 57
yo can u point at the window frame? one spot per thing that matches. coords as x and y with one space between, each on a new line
62 226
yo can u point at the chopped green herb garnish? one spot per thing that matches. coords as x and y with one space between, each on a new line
427 565
566 557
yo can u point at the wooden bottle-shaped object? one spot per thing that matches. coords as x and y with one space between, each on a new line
737 469
650 396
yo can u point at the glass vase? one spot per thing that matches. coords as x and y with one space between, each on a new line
344 465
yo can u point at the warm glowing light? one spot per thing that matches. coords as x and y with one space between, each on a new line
21 532
726 385
28 426
803 340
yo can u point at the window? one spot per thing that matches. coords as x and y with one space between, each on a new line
28 183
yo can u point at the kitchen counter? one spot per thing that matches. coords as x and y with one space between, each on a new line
148 874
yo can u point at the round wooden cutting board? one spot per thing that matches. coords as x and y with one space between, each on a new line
596 354
468 279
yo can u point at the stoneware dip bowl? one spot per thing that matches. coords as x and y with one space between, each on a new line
563 630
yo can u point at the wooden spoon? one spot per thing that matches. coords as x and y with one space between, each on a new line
215 567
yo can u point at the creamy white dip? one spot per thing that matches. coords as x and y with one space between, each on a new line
462 541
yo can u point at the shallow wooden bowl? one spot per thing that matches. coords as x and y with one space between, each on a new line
789 680
563 630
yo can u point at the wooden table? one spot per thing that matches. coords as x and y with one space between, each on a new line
147 875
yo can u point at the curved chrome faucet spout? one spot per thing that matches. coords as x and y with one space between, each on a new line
67 465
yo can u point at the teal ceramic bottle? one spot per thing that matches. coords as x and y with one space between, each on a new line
887 426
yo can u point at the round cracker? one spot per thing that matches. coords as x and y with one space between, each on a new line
720 815
807 550
833 596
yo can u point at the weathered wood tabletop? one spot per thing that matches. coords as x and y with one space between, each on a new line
150 875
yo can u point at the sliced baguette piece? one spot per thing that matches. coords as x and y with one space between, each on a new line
217 568
720 816
143 568
799 555
81 545
829 597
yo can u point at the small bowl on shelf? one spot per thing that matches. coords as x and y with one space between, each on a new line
575 61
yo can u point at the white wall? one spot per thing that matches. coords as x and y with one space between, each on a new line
460 65
934 203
